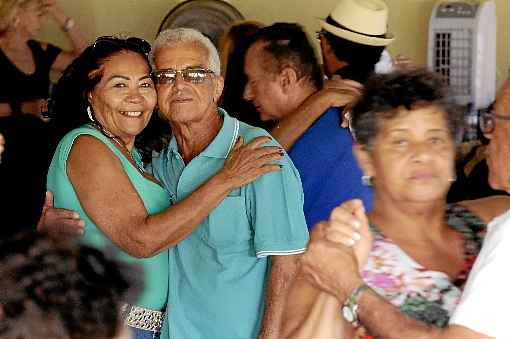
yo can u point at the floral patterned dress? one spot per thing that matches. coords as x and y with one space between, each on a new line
428 296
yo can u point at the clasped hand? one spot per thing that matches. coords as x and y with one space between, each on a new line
338 249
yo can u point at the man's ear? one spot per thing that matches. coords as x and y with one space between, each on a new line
220 82
288 78
364 158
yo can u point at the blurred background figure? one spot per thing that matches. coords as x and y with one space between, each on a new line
472 170
23 170
233 46
2 143
58 290
25 63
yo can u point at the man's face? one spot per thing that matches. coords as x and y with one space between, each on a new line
183 101
498 157
263 89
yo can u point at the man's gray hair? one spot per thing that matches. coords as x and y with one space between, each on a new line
179 35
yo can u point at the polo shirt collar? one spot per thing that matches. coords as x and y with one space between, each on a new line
220 146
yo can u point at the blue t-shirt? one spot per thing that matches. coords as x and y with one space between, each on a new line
329 171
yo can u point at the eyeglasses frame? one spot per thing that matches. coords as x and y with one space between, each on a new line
155 73
493 116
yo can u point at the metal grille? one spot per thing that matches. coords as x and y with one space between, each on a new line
453 50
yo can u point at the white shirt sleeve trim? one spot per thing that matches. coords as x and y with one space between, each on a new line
263 254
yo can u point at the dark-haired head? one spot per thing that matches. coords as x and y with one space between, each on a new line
68 104
287 45
405 130
60 290
385 96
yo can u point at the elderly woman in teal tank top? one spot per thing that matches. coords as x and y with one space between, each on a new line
103 101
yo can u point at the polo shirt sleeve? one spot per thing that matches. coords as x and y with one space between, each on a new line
486 295
275 211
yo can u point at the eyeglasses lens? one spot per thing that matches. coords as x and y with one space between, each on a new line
167 77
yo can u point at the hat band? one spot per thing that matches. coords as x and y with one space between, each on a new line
332 21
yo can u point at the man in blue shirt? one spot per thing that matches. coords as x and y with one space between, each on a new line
282 73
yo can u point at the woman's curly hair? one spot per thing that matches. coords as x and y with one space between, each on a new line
385 94
58 288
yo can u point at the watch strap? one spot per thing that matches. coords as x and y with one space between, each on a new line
352 303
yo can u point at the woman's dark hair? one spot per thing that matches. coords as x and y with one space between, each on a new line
65 289
289 46
385 94
67 107
361 59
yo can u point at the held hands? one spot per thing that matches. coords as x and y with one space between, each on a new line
348 225
59 222
246 163
337 250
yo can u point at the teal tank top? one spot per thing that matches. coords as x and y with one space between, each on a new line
154 197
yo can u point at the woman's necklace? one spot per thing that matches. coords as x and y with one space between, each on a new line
123 148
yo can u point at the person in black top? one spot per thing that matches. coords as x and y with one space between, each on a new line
25 63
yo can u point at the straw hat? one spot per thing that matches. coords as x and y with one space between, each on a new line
361 21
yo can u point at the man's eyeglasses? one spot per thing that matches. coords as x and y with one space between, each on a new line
192 75
488 120
137 43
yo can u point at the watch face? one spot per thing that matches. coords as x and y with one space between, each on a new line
347 313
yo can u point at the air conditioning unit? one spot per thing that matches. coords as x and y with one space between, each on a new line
462 47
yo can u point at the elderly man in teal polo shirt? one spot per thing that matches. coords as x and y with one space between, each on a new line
228 279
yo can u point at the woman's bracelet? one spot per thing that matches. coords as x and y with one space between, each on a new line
68 25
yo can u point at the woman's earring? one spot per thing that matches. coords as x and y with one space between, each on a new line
89 113
366 180
452 179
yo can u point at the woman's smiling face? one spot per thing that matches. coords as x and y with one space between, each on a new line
125 97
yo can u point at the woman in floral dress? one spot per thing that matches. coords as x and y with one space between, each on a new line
423 249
